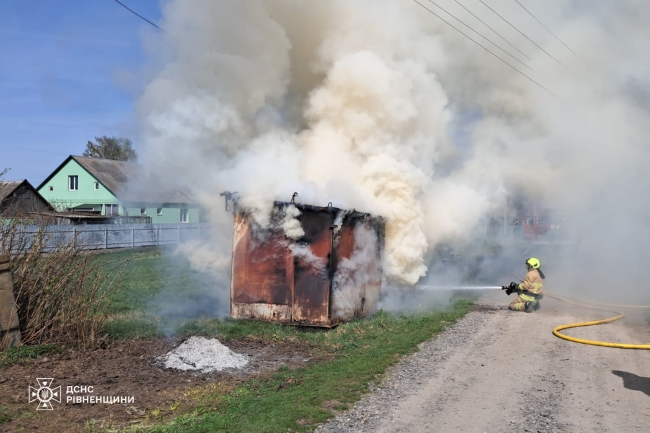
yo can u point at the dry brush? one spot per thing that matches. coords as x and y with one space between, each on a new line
63 288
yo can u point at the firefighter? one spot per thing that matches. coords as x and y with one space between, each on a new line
530 290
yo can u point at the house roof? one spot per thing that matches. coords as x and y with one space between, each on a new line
115 176
112 174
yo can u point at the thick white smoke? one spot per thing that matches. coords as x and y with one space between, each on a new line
377 105
354 274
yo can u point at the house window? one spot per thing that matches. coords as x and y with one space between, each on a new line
111 209
96 186
183 215
51 188
159 211
73 183
143 211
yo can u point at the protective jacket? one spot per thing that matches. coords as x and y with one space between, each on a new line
532 286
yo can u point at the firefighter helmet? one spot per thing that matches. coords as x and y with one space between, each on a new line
533 263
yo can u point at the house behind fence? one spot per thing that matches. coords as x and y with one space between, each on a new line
95 190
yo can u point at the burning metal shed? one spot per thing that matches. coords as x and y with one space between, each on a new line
329 274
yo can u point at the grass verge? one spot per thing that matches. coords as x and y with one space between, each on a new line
14 355
5 417
158 293
297 400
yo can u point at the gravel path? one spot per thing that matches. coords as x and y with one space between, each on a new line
501 371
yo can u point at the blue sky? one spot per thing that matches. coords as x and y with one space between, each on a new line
69 71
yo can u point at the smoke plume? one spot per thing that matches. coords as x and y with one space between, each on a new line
380 106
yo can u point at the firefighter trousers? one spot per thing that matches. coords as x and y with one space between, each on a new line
519 303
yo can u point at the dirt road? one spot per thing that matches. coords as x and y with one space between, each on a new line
502 371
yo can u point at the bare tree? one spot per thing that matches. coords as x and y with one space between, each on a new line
118 149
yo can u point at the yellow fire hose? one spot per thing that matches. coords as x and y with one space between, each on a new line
558 334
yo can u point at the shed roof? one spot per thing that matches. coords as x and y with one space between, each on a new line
7 187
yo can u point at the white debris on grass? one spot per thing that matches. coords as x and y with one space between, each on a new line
205 355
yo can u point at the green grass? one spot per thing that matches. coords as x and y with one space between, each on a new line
14 355
147 272
131 324
228 329
359 351
4 415
155 288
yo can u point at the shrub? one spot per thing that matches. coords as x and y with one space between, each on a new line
62 287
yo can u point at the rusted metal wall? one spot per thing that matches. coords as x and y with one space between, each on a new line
262 273
367 272
311 296
291 281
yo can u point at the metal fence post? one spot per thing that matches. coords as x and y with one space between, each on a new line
132 236
74 236
179 234
105 237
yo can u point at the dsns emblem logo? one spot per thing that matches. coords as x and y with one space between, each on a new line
44 394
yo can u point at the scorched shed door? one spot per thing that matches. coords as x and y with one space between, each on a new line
311 293
262 274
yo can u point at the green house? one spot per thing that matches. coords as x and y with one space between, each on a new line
100 186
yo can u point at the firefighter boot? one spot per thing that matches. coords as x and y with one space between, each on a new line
536 306
530 306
